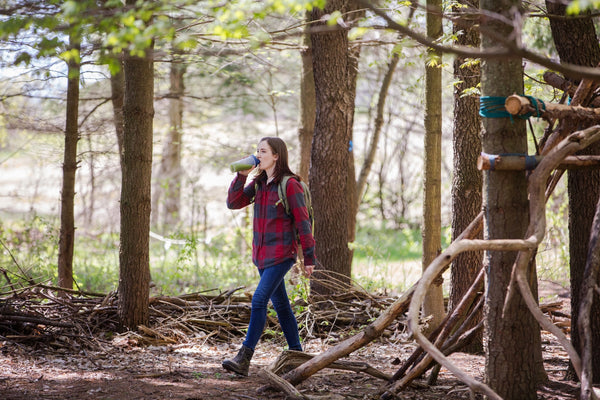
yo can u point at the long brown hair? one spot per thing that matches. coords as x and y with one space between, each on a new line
282 166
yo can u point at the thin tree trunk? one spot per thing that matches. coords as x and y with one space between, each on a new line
353 201
134 258
466 184
67 218
433 305
361 183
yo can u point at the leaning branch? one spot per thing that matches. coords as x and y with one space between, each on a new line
537 228
533 237
590 277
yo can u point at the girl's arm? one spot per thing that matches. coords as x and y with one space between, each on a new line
239 196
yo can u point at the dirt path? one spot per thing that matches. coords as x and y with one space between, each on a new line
193 371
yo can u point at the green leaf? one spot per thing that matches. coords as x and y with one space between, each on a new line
23 58
334 17
576 7
357 32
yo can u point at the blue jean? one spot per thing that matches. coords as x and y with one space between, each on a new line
272 286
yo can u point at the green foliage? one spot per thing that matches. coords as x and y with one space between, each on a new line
29 250
389 244
577 7
386 259
201 265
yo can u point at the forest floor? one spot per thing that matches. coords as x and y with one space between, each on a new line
122 369
193 371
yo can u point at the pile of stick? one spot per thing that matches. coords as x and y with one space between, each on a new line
58 317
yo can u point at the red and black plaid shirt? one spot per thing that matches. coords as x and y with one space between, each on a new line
274 234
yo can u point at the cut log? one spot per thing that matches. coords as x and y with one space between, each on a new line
520 105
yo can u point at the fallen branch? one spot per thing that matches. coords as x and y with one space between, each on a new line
371 332
447 327
291 359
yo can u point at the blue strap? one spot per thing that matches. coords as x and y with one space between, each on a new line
493 107
530 161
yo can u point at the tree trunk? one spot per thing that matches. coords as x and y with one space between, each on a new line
307 106
351 193
576 43
513 353
134 259
330 158
67 218
168 181
117 87
433 305
466 184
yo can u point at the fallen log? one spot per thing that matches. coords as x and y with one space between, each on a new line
290 359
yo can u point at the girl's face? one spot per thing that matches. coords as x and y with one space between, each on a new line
266 156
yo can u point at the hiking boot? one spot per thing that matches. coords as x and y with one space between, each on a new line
241 362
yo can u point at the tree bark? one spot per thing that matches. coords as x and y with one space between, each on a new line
466 184
67 217
331 153
576 43
134 258
307 106
433 304
513 353
353 201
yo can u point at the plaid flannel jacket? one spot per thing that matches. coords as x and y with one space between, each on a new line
274 235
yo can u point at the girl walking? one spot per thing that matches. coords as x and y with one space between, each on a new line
274 244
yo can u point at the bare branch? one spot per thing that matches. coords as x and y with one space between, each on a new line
507 49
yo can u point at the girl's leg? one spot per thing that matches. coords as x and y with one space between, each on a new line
270 279
286 317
